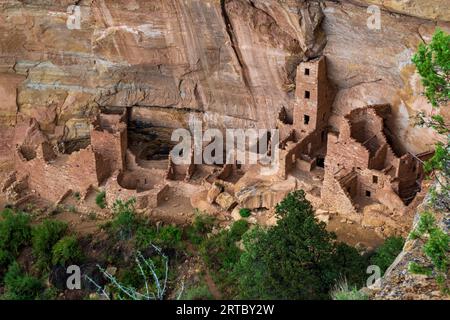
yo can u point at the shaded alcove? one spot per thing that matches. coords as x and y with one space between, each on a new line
28 152
74 145
149 143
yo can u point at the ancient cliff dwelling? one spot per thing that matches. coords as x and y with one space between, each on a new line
93 91
348 170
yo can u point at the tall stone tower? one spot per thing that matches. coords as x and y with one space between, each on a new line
314 96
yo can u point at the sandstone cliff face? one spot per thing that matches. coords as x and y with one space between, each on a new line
434 10
231 62
374 66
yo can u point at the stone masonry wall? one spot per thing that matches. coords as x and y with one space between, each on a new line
52 180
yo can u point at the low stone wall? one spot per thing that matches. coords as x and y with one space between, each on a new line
146 199
336 197
52 179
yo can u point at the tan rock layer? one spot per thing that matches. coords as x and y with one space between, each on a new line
231 61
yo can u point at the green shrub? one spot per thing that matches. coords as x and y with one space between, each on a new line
20 286
200 292
245 213
45 236
100 199
416 268
124 225
295 259
432 62
343 292
436 248
385 255
15 232
49 294
145 236
201 226
66 251
350 264
169 237
426 223
125 222
127 225
221 255
238 229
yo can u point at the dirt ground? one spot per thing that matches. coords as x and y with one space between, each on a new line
174 209
80 223
354 234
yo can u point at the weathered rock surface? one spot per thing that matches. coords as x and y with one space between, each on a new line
232 62
374 66
225 201
398 283
436 9
264 194
213 193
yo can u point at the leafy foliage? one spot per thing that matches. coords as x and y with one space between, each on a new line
435 122
132 277
426 222
15 232
440 160
416 268
238 229
386 253
245 213
350 264
168 237
20 286
433 64
200 292
66 251
125 222
296 259
221 254
127 225
342 292
44 237
201 226
436 248
145 236
100 199
165 237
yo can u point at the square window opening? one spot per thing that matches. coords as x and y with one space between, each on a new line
307 94
306 119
